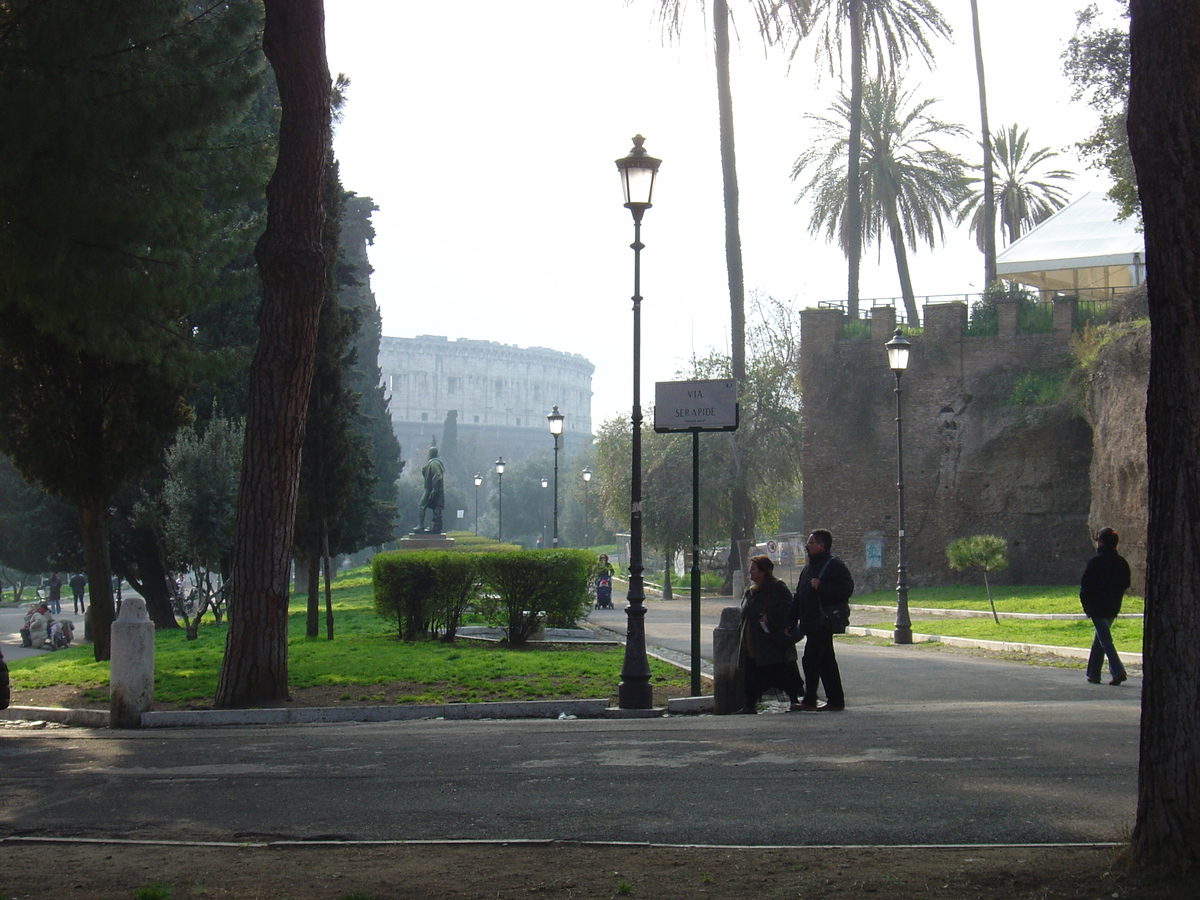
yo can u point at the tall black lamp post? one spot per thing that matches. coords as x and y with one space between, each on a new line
478 482
897 350
500 498
638 171
587 477
555 419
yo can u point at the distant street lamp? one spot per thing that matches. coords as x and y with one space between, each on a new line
638 171
478 482
542 507
587 476
897 350
500 498
555 419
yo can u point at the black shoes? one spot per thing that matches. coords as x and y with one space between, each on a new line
831 707
747 711
1118 679
1092 680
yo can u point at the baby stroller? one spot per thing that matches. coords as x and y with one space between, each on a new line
604 592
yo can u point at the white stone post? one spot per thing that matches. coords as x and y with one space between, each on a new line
131 668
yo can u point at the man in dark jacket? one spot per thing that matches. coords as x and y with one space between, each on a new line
1101 589
824 582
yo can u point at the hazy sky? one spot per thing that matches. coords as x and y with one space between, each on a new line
486 134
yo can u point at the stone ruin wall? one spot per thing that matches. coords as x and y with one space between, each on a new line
1116 411
972 463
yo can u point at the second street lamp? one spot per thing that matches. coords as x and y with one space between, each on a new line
556 425
638 171
587 476
500 498
542 509
897 350
478 482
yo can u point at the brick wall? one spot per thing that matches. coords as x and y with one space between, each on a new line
972 463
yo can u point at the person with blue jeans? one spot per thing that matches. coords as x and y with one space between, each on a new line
1101 589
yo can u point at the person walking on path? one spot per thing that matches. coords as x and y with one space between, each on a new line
824 582
77 582
767 655
1101 589
55 586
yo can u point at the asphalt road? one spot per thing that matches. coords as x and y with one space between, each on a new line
934 748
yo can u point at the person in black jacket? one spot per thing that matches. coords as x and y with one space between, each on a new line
824 582
1101 589
767 654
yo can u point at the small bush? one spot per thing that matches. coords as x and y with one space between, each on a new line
525 586
427 592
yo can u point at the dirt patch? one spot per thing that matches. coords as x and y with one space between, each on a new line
499 872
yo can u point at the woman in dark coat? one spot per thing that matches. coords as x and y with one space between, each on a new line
767 655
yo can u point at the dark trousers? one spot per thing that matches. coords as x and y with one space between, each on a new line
820 666
757 679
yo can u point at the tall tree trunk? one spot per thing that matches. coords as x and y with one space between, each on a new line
291 260
93 529
1164 137
989 177
733 259
854 213
312 590
151 580
896 230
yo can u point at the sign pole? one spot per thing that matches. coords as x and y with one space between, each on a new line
696 562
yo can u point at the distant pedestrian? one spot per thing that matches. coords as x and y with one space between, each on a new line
55 586
767 653
825 584
77 582
1101 590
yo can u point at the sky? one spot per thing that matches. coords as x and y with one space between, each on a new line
487 132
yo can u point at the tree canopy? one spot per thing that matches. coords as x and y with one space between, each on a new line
123 150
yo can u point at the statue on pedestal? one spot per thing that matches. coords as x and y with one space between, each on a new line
434 498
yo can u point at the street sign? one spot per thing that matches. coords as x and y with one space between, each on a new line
695 406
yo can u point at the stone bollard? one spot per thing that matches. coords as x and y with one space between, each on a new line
131 670
727 677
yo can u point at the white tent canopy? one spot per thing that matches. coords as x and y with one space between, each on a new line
1081 249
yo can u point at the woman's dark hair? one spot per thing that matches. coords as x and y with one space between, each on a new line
1108 538
764 564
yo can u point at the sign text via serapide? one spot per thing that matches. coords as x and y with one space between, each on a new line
695 406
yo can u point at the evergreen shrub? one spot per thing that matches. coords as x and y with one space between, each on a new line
426 592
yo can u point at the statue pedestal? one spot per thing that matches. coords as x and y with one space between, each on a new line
426 540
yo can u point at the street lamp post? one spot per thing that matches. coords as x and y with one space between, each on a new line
555 419
638 171
500 498
478 482
897 349
587 477
542 509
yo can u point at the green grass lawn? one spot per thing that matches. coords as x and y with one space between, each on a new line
1127 633
364 654
1023 599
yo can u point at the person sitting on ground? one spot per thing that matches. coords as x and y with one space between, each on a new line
38 622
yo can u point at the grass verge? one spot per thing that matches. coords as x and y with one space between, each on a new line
363 660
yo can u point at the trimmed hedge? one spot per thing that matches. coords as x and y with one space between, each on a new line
427 591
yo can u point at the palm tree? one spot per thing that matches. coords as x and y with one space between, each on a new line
777 21
989 179
1023 197
894 29
908 185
